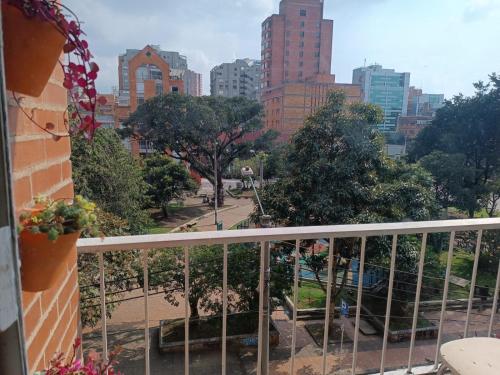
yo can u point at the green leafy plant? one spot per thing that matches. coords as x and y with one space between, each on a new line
57 217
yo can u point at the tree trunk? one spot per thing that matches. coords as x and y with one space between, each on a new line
164 210
193 306
220 190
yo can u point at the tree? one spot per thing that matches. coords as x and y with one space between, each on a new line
466 135
166 180
205 277
106 173
203 131
337 174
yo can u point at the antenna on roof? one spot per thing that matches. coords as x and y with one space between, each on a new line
364 65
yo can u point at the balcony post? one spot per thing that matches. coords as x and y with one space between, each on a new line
264 355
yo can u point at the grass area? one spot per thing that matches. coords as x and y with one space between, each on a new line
159 230
311 296
462 265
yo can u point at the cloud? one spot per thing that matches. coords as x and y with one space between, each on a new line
480 9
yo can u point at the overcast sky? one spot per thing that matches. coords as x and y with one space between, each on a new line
445 44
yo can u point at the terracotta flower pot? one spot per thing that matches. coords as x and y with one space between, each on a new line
42 260
31 50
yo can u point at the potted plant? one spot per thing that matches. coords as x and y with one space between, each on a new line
36 32
47 237
94 365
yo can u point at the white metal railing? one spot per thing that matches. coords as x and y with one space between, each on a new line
264 236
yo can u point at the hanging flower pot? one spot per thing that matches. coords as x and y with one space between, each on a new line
35 34
47 239
32 48
43 260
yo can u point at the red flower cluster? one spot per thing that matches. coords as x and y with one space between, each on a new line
79 75
93 366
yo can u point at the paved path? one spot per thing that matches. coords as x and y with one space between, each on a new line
229 217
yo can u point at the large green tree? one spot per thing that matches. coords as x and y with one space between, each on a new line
106 173
461 148
203 131
336 173
166 180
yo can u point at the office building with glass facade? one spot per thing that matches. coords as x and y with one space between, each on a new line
386 88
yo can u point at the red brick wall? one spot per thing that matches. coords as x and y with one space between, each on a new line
42 166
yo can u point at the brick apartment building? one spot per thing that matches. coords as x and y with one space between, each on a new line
142 76
296 65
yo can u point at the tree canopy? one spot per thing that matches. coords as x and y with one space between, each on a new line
105 172
461 148
336 173
199 130
166 180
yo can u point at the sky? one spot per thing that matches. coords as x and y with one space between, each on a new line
446 45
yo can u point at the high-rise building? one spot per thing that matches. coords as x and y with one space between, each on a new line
386 88
421 104
192 83
296 65
239 78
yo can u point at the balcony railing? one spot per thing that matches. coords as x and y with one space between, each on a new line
265 236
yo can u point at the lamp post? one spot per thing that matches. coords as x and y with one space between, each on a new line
261 168
216 188
265 221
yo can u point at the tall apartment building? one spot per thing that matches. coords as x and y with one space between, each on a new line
296 65
192 83
239 78
386 88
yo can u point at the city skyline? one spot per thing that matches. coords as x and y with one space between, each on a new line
442 44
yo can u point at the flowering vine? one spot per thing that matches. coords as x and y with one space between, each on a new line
80 72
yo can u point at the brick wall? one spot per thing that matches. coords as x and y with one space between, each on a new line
42 166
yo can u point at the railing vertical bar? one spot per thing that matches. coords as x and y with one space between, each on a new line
295 302
389 302
495 302
186 310
358 304
224 310
473 281
421 264
146 309
328 303
261 308
102 288
445 297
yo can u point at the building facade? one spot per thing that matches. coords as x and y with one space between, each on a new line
239 78
410 126
142 75
386 88
178 69
296 65
192 83
421 104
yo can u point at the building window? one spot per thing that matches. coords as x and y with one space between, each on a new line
316 54
302 23
303 12
287 43
287 53
175 89
301 44
302 34
301 63
300 73
159 88
288 33
301 54
318 45
140 100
